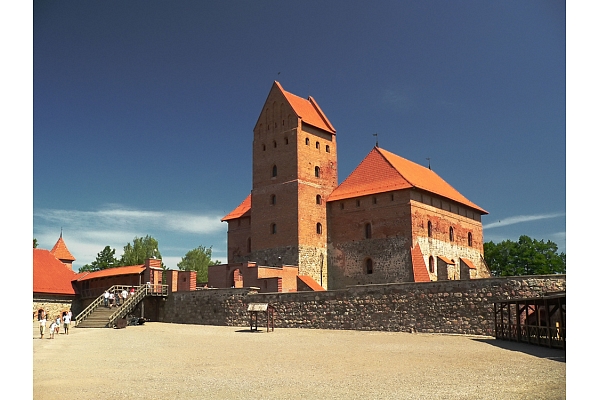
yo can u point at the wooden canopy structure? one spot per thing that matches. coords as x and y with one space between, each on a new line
539 320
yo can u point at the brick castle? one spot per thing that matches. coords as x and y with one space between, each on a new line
390 221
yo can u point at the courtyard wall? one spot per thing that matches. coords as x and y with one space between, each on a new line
458 307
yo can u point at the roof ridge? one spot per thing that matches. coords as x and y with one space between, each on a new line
321 113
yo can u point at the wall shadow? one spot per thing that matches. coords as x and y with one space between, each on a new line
559 355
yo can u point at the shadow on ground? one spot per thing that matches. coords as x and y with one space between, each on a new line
250 331
531 349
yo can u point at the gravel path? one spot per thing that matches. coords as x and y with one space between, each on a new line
175 361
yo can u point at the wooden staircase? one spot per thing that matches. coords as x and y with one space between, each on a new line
98 318
96 315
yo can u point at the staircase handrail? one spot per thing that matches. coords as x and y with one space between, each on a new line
91 307
129 304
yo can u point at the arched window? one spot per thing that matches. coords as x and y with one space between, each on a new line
318 199
429 229
367 231
264 147
451 234
318 145
327 148
286 140
317 172
273 199
374 200
470 239
273 228
431 264
369 266
306 141
274 174
319 228
274 143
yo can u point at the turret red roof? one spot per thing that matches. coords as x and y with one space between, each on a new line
127 270
60 250
50 275
243 210
308 110
382 171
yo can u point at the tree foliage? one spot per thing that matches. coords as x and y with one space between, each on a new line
35 243
140 250
525 257
105 259
198 260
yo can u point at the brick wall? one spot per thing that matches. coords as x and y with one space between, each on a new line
461 307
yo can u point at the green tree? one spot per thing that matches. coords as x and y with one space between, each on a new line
35 243
105 259
198 260
142 249
525 257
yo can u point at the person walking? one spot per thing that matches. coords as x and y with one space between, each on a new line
57 324
124 295
66 322
52 329
42 323
106 296
111 299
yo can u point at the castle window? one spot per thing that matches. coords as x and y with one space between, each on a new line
273 199
357 203
341 206
451 234
273 229
283 122
274 143
431 264
327 148
286 140
306 141
274 172
264 147
318 199
319 228
317 172
318 145
392 196
429 229
369 266
249 245
374 200
368 231
470 239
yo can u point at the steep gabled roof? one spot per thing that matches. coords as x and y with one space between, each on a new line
60 250
382 171
308 110
127 270
420 273
243 210
50 275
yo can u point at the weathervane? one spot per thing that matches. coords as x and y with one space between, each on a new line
376 141
428 162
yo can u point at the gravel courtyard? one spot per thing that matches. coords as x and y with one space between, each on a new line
175 361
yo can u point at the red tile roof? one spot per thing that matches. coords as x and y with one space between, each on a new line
60 250
127 270
382 171
468 262
308 110
447 261
50 275
418 263
243 210
311 283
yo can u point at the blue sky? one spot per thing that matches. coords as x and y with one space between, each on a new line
143 111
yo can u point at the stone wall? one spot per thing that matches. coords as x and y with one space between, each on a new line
53 305
460 307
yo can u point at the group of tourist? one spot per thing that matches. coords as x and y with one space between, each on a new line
64 320
115 300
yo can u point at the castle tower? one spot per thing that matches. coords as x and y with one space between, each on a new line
61 252
294 169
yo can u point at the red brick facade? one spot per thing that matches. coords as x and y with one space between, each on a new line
363 231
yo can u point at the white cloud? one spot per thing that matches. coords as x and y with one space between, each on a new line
520 219
88 232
